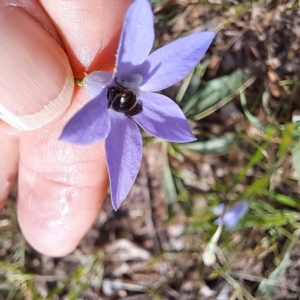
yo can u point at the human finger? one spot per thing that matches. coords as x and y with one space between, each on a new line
35 76
61 189
9 146
61 185
89 29
9 154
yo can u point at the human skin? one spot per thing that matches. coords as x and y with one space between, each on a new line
61 187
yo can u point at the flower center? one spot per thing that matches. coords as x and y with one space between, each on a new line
123 97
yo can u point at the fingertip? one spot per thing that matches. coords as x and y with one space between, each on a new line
90 30
35 76
61 189
54 216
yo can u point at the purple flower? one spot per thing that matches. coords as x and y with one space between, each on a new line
232 215
125 98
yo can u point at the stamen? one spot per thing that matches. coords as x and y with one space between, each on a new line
79 81
134 84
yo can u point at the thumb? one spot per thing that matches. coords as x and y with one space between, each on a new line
35 76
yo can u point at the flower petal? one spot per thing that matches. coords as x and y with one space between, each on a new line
91 124
137 37
219 209
163 118
95 82
234 214
171 63
123 155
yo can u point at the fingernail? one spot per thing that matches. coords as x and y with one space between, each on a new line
36 80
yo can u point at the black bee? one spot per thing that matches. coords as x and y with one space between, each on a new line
123 100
